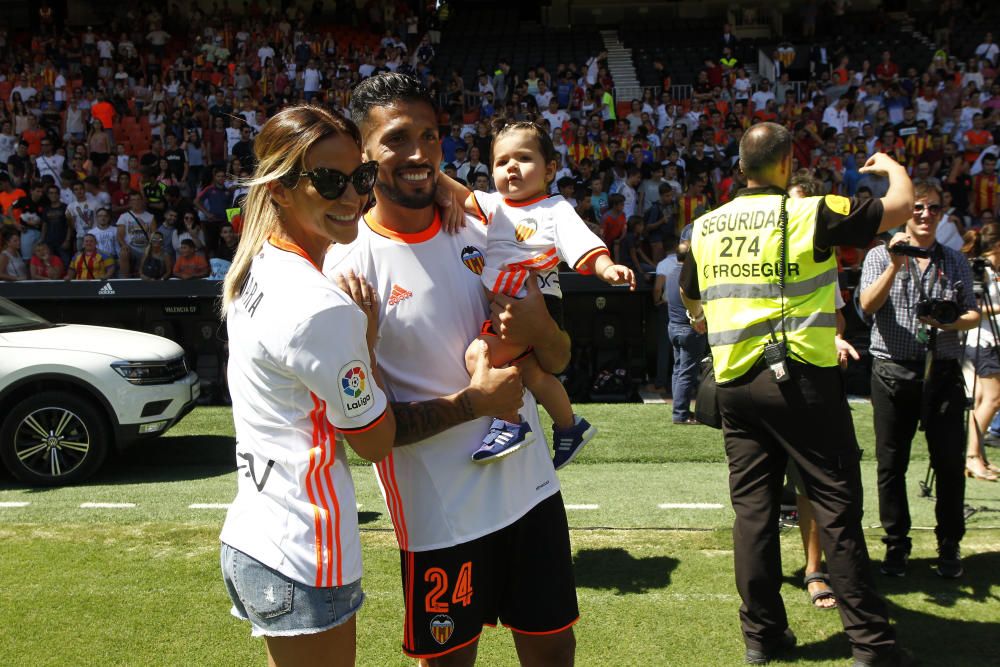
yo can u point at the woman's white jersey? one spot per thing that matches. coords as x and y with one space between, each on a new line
299 372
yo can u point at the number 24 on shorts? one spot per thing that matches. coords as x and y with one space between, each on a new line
461 595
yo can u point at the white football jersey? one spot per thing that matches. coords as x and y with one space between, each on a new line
533 235
432 306
292 390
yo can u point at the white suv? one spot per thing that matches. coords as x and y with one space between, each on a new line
69 393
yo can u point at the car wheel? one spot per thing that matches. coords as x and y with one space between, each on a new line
53 438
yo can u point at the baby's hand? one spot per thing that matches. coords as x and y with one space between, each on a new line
616 274
450 203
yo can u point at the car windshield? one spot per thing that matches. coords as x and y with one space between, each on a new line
15 318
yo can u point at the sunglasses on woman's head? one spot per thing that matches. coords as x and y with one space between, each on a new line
330 183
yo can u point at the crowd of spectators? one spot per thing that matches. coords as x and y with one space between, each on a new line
144 126
124 144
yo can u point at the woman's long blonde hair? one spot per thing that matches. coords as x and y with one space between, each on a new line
281 149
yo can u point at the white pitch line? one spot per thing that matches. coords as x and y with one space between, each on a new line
14 503
582 507
106 506
689 506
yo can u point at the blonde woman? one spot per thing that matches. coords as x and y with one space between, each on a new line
301 368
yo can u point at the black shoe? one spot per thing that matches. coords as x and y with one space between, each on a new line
949 562
894 563
991 439
766 655
898 658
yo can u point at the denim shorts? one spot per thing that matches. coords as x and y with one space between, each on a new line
278 606
985 359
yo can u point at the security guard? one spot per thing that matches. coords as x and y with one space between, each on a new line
762 273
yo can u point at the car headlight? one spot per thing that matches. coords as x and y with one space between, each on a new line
151 372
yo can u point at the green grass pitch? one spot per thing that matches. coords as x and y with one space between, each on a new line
141 586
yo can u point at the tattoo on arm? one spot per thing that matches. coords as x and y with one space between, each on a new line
418 420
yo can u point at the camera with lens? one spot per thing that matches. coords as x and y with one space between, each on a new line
909 250
978 266
944 311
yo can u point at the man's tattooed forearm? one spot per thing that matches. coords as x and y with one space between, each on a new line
416 421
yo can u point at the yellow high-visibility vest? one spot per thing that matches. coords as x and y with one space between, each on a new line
737 249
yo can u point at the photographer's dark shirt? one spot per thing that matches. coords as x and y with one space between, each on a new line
894 334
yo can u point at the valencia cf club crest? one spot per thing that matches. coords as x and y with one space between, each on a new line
473 259
525 229
442 628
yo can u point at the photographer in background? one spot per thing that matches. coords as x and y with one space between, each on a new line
982 247
920 294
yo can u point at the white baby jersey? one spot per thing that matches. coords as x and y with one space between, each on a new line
431 307
299 371
533 235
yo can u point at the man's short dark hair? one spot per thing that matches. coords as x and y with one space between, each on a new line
386 89
565 182
762 147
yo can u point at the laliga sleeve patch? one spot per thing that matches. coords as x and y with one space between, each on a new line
837 204
356 389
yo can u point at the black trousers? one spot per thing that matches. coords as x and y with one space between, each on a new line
897 401
807 419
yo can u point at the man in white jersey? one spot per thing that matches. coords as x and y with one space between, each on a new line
478 544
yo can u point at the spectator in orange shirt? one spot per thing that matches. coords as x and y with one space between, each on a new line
769 113
104 112
840 75
613 223
33 135
190 265
8 195
976 139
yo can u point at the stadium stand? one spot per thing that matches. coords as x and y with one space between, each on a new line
178 87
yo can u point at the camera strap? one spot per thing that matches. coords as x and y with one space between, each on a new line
925 334
935 275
